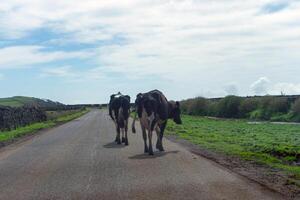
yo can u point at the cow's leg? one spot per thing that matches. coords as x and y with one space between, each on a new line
116 140
118 135
146 150
161 135
150 142
126 130
123 138
159 142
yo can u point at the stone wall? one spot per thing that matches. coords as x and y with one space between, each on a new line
12 118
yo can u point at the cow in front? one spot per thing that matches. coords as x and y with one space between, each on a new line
119 109
154 110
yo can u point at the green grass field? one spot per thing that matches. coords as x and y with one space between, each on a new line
275 145
15 101
9 135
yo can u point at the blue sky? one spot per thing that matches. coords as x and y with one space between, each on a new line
82 51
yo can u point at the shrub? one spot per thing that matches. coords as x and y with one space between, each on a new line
296 107
229 106
247 106
281 117
212 109
196 106
278 105
257 114
199 106
271 106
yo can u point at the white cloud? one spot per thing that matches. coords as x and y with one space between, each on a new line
26 56
286 88
264 86
64 71
68 73
260 87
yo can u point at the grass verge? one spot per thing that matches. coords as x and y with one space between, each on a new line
10 135
274 145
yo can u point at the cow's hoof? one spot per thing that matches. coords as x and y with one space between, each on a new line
126 142
118 141
146 150
123 140
151 153
161 149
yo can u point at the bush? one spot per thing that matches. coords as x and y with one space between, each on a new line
278 105
247 106
281 117
197 106
257 114
296 107
257 108
271 106
229 106
212 109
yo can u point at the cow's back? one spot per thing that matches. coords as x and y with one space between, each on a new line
162 104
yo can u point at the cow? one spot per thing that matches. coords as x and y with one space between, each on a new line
119 109
153 110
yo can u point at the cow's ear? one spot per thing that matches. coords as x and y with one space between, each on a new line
177 104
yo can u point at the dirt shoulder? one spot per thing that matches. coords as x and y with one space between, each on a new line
261 174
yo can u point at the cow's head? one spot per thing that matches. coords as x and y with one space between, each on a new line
174 111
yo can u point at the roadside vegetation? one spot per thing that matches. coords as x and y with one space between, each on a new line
277 146
266 108
54 118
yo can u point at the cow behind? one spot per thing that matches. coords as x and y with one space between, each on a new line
153 110
119 109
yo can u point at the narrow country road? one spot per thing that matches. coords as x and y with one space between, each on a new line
79 160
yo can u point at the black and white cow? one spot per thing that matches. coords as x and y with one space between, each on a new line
154 110
119 109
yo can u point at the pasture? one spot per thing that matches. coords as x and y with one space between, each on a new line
274 145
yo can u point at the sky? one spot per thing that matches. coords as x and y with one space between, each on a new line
76 51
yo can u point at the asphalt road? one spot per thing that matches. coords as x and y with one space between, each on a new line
79 160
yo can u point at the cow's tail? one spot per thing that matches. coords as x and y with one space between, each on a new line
133 123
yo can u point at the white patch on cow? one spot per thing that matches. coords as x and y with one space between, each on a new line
144 120
150 120
151 117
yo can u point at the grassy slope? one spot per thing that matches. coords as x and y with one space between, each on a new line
275 145
16 101
8 135
19 101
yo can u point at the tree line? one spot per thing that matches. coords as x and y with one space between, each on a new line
273 108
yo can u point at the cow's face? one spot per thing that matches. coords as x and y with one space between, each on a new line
176 113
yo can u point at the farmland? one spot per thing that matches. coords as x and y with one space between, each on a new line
274 145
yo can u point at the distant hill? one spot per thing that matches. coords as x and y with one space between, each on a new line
19 101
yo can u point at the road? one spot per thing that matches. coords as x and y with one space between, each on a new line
78 160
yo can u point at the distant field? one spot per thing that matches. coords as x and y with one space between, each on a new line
15 101
19 101
272 144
